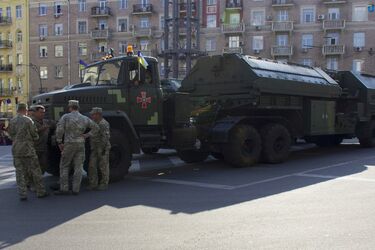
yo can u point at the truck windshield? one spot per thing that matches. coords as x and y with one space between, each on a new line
91 75
103 74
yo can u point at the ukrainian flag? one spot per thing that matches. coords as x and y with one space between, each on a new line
142 61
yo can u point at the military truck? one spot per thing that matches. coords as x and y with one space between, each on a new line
249 109
141 114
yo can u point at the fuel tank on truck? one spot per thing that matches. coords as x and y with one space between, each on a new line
235 76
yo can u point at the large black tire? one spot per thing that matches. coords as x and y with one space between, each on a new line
192 156
366 134
148 151
120 156
276 143
244 146
54 156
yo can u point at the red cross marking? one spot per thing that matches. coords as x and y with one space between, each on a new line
144 100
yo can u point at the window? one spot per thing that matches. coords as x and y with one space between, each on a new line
82 27
332 63
282 40
359 39
18 11
360 13
10 83
59 50
211 2
58 9
234 18
211 21
257 17
19 58
332 38
357 65
43 72
82 49
82 5
333 13
122 47
58 29
59 71
43 51
10 59
103 24
122 25
210 44
144 23
307 62
109 73
20 85
307 41
42 9
123 4
308 15
144 45
257 42
234 42
282 15
43 30
19 36
102 4
9 12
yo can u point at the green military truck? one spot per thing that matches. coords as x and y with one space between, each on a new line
249 109
143 114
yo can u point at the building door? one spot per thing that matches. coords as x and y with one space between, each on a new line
333 13
234 18
282 40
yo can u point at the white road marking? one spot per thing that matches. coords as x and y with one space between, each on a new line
336 177
194 184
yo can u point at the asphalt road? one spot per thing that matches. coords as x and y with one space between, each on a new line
319 199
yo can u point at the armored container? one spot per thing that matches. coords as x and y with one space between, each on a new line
247 107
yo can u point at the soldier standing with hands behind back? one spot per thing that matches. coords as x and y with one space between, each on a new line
23 134
99 157
71 140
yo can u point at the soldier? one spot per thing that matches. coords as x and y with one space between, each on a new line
23 133
72 126
99 157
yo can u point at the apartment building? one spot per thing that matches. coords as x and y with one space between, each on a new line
332 34
14 64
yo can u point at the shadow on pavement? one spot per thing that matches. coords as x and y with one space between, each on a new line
21 220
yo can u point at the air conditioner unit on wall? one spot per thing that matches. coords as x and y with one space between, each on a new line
42 38
269 18
358 49
321 17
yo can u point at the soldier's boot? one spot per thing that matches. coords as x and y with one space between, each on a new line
102 187
43 195
61 192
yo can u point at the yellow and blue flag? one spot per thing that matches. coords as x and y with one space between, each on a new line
82 64
142 61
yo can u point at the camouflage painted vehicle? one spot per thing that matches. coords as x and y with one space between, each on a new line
248 109
141 114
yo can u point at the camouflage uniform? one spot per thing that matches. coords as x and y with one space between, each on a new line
99 156
41 147
72 126
23 133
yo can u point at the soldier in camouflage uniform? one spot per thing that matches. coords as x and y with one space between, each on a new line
23 134
99 156
71 140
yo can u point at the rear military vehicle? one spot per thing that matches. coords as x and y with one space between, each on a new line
248 109
141 114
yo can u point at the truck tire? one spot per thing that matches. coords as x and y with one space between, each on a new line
54 156
120 156
192 156
244 146
148 151
276 143
366 134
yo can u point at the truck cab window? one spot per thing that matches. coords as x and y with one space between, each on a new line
138 75
109 73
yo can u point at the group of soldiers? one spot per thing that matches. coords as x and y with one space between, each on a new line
29 133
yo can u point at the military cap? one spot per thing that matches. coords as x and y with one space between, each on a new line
36 107
96 110
73 103
21 106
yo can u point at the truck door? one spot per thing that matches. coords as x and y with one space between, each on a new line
143 93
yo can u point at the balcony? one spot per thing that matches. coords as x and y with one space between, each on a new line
142 9
329 50
228 28
233 4
142 32
334 24
183 7
98 34
282 50
97 56
230 50
6 68
6 92
100 11
282 26
5 44
282 3
5 20
334 1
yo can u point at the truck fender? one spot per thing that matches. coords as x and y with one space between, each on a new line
221 130
120 120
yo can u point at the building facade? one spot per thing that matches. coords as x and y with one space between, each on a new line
14 62
333 34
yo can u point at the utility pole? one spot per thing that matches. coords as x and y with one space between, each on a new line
69 59
182 23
